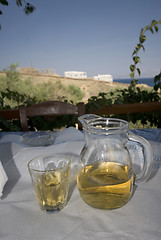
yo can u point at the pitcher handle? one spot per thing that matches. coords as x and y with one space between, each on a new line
147 156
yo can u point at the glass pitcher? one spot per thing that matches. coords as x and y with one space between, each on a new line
112 160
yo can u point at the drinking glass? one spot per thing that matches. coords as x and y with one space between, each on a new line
50 179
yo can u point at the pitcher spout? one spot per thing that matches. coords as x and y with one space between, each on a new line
87 119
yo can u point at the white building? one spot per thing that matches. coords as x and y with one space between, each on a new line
75 74
105 77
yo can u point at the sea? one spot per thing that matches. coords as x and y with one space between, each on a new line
147 81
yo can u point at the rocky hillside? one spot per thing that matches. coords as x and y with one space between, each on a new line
89 86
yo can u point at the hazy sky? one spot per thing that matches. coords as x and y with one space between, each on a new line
95 36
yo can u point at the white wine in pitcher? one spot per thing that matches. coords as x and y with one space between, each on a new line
112 161
105 185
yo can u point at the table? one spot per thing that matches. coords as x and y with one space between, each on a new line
21 218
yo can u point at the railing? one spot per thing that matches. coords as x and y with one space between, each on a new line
14 114
10 114
128 108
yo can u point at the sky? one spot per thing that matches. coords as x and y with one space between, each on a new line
93 36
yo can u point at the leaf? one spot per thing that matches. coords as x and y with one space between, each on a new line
147 27
134 82
157 78
132 68
159 22
142 38
29 8
4 2
19 3
142 32
155 87
153 23
156 28
0 12
142 47
151 29
136 59
138 70
138 47
132 75
134 52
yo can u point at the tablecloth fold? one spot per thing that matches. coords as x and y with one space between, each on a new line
3 179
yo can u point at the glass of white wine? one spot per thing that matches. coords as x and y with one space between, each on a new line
50 179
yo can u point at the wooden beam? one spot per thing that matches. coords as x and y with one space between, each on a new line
128 108
10 114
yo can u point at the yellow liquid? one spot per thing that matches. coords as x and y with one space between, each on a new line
105 185
51 190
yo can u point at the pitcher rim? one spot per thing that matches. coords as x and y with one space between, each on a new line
87 126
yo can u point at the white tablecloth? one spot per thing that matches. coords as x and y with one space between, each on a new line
22 219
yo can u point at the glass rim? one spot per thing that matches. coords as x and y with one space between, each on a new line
50 170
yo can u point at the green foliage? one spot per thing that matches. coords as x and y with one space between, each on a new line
15 91
133 93
128 96
58 91
157 82
95 102
45 123
76 92
9 98
9 126
137 94
27 7
153 27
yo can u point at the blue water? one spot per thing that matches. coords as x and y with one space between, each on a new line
147 81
